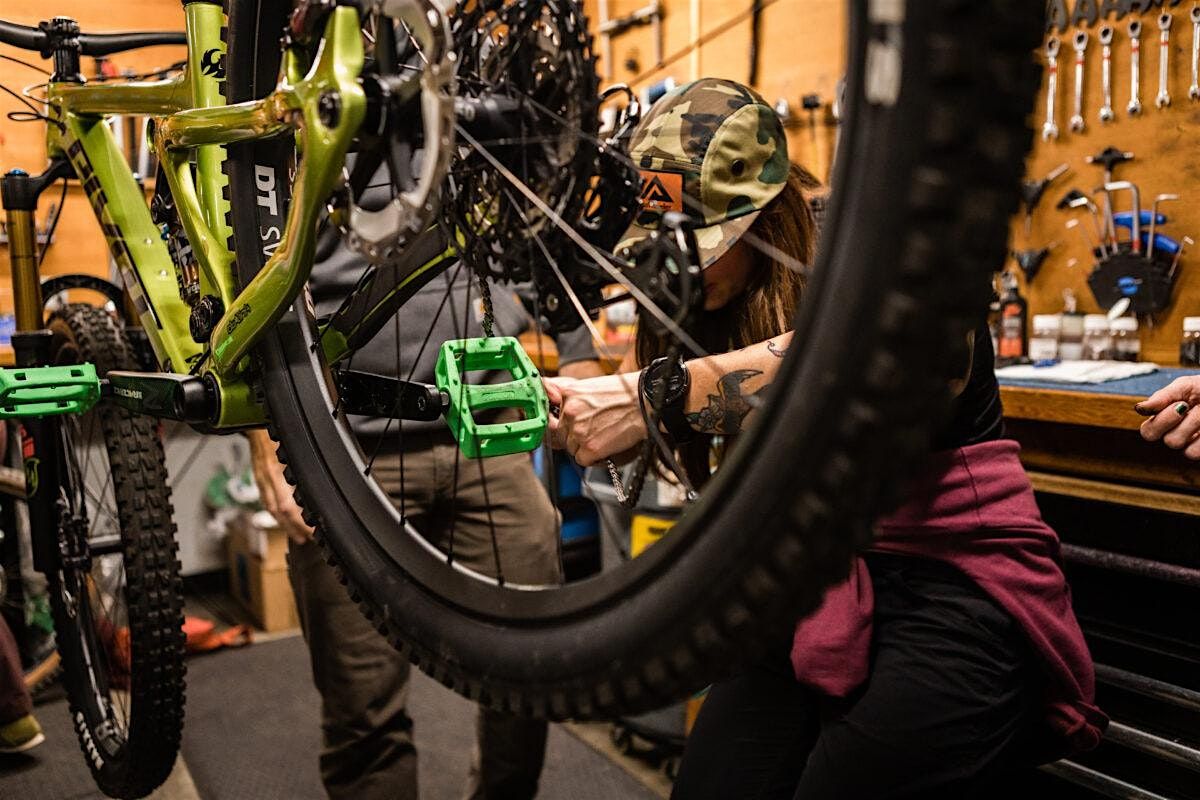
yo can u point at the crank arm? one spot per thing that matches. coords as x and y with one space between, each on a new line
165 395
372 395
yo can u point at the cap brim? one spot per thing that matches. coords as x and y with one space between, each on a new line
713 241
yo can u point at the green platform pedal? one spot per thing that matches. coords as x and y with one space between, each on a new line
524 392
48 391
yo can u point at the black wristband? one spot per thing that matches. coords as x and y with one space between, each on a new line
664 385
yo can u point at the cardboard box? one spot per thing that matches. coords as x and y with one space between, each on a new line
258 575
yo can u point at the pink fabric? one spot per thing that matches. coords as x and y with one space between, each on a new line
973 508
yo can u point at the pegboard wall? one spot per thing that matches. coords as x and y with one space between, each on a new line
801 52
1162 138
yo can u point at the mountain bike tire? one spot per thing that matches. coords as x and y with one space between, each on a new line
930 162
131 759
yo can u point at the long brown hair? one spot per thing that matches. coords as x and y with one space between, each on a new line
768 304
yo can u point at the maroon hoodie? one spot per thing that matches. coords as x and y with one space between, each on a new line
973 508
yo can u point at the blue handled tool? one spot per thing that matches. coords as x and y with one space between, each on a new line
1161 241
1124 219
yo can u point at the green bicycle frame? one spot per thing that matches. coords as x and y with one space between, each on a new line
190 123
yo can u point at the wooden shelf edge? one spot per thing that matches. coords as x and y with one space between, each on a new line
1071 407
1104 491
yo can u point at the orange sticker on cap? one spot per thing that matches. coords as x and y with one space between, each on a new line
661 191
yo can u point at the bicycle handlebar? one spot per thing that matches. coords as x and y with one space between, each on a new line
90 44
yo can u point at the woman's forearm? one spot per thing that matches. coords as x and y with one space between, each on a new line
726 388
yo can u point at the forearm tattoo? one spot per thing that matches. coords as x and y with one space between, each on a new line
726 411
776 350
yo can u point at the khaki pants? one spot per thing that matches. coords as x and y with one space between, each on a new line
368 750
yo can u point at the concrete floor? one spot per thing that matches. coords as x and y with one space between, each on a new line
252 732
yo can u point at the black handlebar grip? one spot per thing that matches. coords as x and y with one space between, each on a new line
21 36
90 44
103 44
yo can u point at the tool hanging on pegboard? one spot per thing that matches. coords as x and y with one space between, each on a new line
1138 272
1030 261
651 14
1087 15
1032 191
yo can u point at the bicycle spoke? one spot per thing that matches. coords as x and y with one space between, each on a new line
576 303
400 427
413 370
757 242
587 247
457 450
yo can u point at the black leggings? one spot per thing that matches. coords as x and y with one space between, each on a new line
950 707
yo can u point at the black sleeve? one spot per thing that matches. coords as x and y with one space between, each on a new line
977 415
576 345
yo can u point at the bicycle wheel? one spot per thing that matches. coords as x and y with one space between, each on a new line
117 599
930 160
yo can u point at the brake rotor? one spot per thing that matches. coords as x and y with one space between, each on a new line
409 138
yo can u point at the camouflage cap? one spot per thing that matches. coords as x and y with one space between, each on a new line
714 150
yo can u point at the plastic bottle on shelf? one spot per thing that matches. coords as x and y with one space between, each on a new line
1013 313
1189 348
1126 340
1043 344
1070 340
1097 338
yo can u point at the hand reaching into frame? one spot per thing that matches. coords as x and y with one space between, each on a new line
597 417
1174 412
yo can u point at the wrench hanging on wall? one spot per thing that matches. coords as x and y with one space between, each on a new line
1194 89
1106 37
1080 43
1135 67
1164 55
1050 128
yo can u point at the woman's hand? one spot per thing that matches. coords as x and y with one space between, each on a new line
1174 413
276 493
598 417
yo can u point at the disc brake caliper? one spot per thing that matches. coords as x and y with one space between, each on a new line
524 392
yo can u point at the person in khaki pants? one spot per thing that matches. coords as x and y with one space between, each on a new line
368 750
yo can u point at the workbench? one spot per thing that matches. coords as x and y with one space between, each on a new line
1082 441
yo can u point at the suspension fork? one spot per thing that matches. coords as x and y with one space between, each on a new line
41 439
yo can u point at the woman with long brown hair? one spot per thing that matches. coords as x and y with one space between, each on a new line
951 656
751 293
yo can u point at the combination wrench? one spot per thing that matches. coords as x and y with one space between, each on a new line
1106 37
1050 128
1135 67
1080 43
1194 89
1164 54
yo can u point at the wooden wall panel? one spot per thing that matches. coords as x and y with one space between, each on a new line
802 52
78 245
1164 145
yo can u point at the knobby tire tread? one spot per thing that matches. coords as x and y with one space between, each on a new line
153 586
969 146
